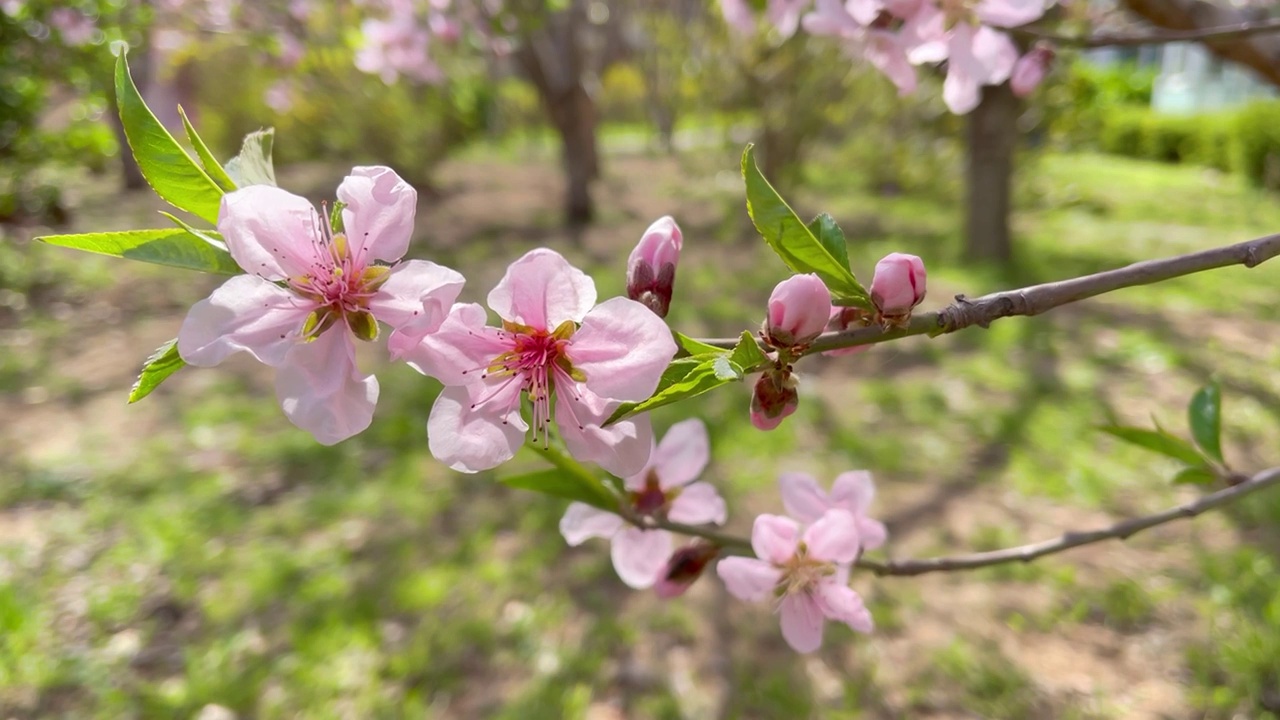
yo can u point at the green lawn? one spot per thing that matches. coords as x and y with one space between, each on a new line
196 550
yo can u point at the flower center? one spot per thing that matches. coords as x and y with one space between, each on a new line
652 500
341 284
538 360
801 573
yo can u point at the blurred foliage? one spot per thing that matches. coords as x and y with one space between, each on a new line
1079 99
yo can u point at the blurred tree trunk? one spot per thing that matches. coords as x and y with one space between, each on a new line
992 139
1260 52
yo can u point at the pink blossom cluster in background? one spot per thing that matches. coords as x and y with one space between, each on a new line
896 36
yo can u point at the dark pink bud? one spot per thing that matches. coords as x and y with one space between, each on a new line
1030 70
898 286
843 318
651 269
684 567
798 311
773 399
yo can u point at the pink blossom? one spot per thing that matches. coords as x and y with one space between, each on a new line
806 571
1031 70
976 57
310 290
773 399
397 47
75 27
279 96
291 49
738 15
555 342
853 491
785 15
684 567
664 488
887 52
651 269
898 285
834 17
799 308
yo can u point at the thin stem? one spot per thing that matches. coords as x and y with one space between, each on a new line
1224 32
1118 531
1037 299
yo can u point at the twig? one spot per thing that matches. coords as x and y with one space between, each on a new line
1037 299
1224 32
1118 531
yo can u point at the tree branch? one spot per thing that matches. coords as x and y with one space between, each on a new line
1258 52
1118 531
1226 32
1037 299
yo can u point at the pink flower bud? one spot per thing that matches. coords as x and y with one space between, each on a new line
798 311
898 286
1030 70
843 318
684 567
773 399
651 269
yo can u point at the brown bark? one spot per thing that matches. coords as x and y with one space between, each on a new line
992 139
1260 52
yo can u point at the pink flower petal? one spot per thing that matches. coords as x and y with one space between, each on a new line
270 232
997 54
379 214
459 351
840 603
246 313
640 555
698 504
582 522
887 53
621 448
803 497
774 538
1009 13
962 90
854 490
542 290
748 579
864 11
322 390
801 622
471 440
871 533
924 35
623 348
415 299
834 537
683 453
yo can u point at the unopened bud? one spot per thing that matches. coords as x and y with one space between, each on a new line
1031 69
773 399
651 269
799 309
843 318
684 567
898 286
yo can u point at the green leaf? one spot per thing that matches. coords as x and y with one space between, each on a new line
208 236
694 347
162 363
253 165
792 240
562 484
1205 415
1198 475
747 353
1157 441
211 164
335 217
169 170
824 228
706 374
173 247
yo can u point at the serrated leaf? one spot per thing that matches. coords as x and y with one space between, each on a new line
1198 475
1157 441
210 163
824 228
162 363
685 382
689 346
253 166
792 240
174 247
747 353
209 236
559 483
170 171
1205 416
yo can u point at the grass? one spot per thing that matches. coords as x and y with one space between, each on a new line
196 550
